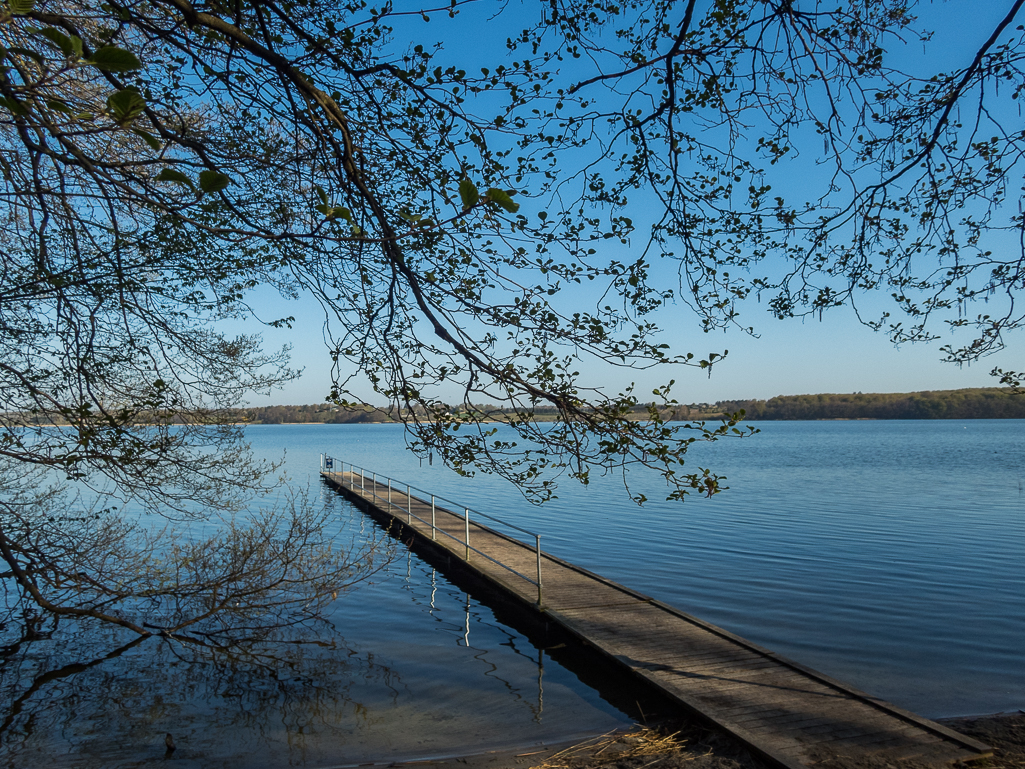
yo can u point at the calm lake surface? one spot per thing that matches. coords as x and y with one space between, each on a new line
890 555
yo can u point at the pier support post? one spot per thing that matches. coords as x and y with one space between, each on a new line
466 521
537 544
434 525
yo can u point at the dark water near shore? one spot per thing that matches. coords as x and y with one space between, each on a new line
890 555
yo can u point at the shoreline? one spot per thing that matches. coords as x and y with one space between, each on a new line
687 744
684 420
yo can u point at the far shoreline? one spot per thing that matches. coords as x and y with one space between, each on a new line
966 403
671 421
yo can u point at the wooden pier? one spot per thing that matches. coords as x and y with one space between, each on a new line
792 716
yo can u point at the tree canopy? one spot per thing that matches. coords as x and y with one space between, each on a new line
477 194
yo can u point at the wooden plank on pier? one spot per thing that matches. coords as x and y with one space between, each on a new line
789 714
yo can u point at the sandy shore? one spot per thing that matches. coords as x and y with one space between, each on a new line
686 745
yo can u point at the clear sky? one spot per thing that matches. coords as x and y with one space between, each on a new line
836 354
790 357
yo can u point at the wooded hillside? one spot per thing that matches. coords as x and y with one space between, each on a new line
313 413
976 403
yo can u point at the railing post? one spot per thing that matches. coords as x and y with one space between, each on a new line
325 459
537 543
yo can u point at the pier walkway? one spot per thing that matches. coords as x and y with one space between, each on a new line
792 716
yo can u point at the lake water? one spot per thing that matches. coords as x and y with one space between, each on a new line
890 555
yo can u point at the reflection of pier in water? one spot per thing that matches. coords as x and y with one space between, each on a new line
510 643
790 715
482 653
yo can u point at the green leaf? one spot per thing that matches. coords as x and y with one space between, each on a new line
322 194
468 194
149 138
21 7
13 106
126 105
503 199
59 39
113 59
213 181
71 47
171 175
335 212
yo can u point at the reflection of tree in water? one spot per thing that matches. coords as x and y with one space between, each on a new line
106 696
290 698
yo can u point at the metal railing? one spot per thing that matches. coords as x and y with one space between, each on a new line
371 483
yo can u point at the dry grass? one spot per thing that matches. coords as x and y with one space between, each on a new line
643 741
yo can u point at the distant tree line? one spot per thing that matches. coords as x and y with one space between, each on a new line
976 403
316 413
322 413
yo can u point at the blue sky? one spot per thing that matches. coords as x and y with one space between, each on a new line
790 357
836 354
